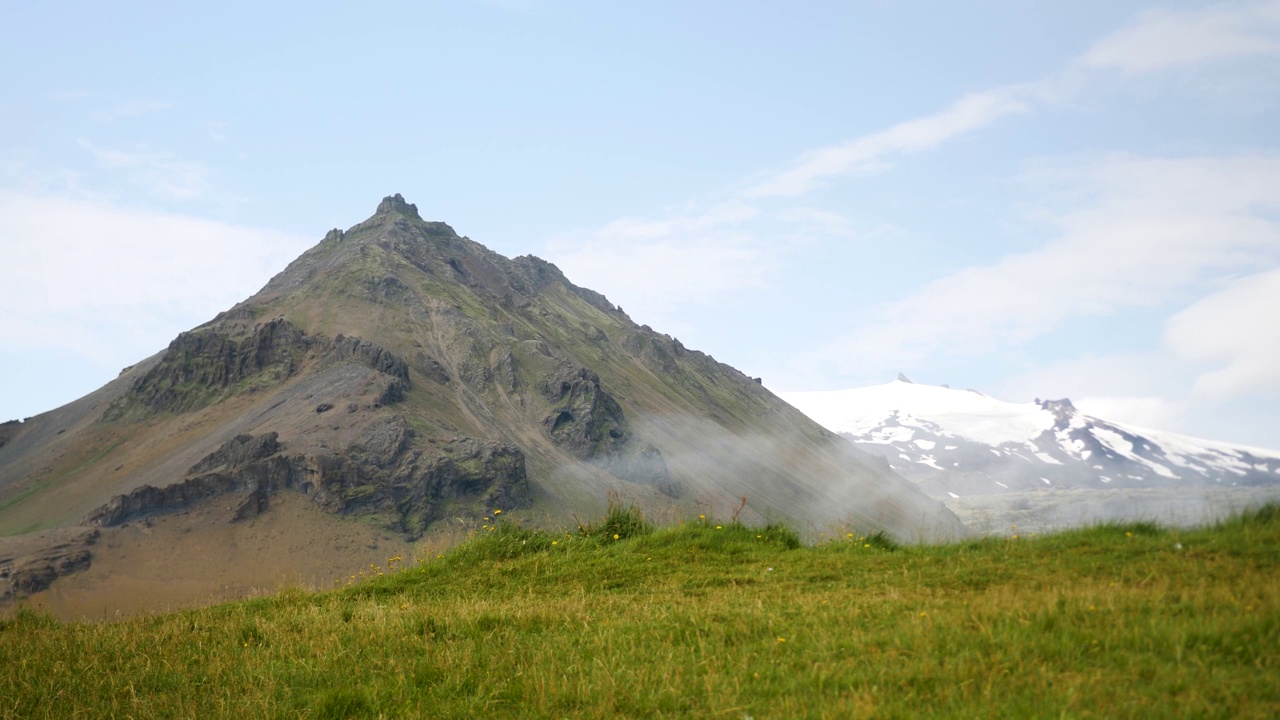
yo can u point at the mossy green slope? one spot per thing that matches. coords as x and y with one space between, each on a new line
709 619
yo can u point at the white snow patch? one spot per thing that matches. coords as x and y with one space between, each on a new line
924 444
888 435
949 447
1006 487
953 495
1069 445
1104 478
1046 457
929 460
1117 442
1045 481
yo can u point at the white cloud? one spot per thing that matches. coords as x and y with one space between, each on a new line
1150 228
653 267
810 220
217 130
871 153
1163 39
1132 249
1237 330
162 174
127 109
1147 412
114 284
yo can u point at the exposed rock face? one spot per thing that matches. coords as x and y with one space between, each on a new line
396 204
237 452
381 473
9 430
268 475
413 490
431 367
203 366
30 563
585 419
371 355
590 424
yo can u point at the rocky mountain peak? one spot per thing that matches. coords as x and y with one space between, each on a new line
396 204
1061 409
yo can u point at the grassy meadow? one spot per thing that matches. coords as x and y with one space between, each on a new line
707 619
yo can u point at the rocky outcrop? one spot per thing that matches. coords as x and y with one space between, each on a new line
204 366
30 563
589 423
382 473
396 204
584 419
657 352
371 355
9 430
238 451
201 366
385 473
268 476
431 368
414 490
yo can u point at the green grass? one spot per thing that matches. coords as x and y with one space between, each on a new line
709 620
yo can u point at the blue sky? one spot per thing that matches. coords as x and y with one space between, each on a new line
1032 199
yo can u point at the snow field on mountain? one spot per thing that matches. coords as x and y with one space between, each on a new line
959 413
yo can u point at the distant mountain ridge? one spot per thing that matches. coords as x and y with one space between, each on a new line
957 443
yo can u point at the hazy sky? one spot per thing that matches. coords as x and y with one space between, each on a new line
1034 199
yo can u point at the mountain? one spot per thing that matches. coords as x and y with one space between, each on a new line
408 378
961 445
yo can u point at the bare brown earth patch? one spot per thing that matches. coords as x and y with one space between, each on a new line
197 557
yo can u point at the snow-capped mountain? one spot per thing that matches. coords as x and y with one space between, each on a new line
957 443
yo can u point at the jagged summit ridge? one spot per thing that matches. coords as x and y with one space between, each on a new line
397 204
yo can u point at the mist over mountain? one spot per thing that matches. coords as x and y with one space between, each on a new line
1042 458
395 382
